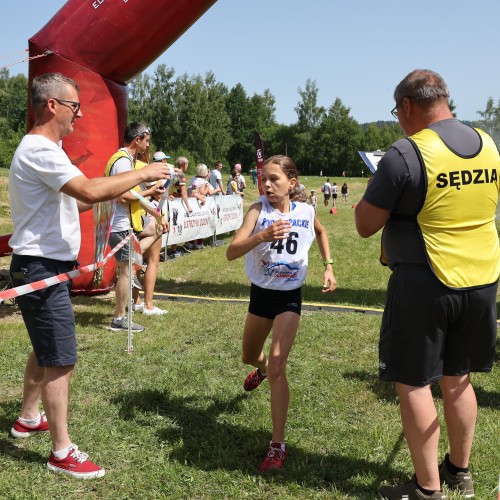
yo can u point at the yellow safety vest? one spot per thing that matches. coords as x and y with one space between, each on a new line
457 219
134 207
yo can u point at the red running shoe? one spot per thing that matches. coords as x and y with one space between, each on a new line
253 380
22 430
75 464
274 458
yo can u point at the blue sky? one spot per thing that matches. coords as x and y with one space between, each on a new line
356 50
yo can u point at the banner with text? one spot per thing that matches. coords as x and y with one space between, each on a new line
229 213
218 215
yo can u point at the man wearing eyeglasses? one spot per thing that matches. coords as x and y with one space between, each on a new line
435 193
46 194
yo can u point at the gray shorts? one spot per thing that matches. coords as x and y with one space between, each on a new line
114 239
47 313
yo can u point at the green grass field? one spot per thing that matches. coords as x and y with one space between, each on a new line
171 419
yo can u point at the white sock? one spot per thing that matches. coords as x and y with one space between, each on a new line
282 445
31 421
62 453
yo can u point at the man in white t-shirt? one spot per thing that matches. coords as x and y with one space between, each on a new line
216 178
47 193
327 191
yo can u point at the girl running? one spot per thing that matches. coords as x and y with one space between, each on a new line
275 236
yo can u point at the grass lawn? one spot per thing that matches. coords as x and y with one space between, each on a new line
171 419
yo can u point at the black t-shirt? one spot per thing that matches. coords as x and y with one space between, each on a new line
399 186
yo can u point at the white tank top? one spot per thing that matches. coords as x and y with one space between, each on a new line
282 264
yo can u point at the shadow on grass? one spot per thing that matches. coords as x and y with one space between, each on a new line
9 411
92 317
202 438
8 309
385 391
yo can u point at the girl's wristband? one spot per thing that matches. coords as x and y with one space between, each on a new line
326 262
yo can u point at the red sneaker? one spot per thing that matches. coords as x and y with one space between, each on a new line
274 458
76 464
253 380
22 430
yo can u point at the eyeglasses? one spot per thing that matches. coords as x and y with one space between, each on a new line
74 105
394 110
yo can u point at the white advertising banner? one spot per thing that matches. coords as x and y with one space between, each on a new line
218 215
229 213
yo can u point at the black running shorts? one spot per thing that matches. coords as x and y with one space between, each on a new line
268 303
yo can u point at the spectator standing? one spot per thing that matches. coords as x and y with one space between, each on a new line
242 184
441 242
335 191
327 191
178 189
151 253
200 188
345 192
254 175
215 178
270 235
128 215
313 199
47 193
232 185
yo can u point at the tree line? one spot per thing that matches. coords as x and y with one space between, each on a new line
203 119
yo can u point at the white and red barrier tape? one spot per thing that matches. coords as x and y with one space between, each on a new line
12 293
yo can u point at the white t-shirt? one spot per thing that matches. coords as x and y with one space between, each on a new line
242 184
282 264
196 184
121 219
46 221
327 188
215 176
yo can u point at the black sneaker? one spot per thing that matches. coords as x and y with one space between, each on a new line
407 491
461 482
122 324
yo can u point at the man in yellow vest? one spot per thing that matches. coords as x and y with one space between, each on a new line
435 193
128 214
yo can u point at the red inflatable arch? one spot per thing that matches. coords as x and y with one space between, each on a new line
102 45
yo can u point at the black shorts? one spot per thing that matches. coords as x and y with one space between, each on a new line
268 303
429 330
48 313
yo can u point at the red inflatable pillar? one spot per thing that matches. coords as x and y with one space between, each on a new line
102 45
